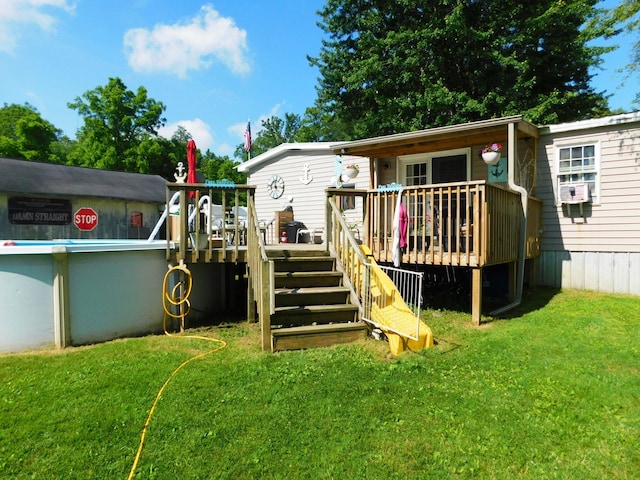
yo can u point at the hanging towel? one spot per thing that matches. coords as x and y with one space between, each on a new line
403 223
396 249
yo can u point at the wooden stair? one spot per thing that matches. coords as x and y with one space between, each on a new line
312 306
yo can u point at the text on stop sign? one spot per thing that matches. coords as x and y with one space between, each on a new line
85 219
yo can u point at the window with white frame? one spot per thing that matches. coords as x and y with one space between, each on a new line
438 167
578 164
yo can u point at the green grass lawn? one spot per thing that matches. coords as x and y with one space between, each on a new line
552 392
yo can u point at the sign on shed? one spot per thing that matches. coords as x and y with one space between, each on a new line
85 219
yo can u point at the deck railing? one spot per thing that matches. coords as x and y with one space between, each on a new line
197 229
458 224
387 297
261 277
342 244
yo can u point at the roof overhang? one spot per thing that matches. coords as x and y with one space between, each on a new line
438 139
285 149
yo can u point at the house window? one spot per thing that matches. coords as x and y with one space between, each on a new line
348 202
429 169
578 164
416 174
438 167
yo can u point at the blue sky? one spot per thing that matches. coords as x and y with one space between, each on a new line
214 65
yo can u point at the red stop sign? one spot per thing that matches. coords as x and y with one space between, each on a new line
85 218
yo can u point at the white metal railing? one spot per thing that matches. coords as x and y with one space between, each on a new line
165 216
392 299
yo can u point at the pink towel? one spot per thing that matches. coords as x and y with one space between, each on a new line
403 222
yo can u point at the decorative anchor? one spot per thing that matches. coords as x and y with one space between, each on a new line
181 175
495 172
306 178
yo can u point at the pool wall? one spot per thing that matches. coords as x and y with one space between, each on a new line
60 295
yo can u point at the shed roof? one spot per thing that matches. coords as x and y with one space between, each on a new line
438 138
36 178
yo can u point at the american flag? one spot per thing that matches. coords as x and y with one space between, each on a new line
247 138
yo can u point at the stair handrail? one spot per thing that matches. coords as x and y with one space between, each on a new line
349 256
362 272
261 276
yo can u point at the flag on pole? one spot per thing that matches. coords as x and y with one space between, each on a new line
247 137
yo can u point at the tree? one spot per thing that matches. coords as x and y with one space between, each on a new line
274 132
215 167
24 134
120 130
389 67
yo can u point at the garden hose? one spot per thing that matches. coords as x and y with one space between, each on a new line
178 297
174 298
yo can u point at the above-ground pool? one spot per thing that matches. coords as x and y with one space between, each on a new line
72 292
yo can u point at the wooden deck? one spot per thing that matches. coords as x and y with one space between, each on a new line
464 224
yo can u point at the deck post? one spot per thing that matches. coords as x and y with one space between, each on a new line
265 305
476 296
251 296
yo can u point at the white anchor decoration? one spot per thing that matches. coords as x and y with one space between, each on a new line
306 178
181 175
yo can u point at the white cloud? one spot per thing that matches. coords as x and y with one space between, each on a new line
225 149
15 15
193 45
199 130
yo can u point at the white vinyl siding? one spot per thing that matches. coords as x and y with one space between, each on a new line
308 200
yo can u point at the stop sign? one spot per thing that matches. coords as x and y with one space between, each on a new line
85 219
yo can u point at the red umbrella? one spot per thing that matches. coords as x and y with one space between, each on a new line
191 160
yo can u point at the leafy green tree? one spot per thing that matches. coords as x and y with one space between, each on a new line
274 132
215 167
392 66
120 130
321 125
24 134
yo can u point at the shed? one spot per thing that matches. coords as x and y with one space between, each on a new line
39 200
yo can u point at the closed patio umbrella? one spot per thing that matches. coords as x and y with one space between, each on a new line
191 161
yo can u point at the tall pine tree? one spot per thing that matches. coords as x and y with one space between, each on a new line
389 66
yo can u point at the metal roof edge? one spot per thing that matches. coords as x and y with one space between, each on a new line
282 148
408 136
620 119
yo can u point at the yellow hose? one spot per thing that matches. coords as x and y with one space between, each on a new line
173 299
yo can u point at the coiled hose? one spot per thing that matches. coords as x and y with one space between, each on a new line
178 297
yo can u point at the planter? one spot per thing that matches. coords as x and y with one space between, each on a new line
491 157
349 174
202 241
